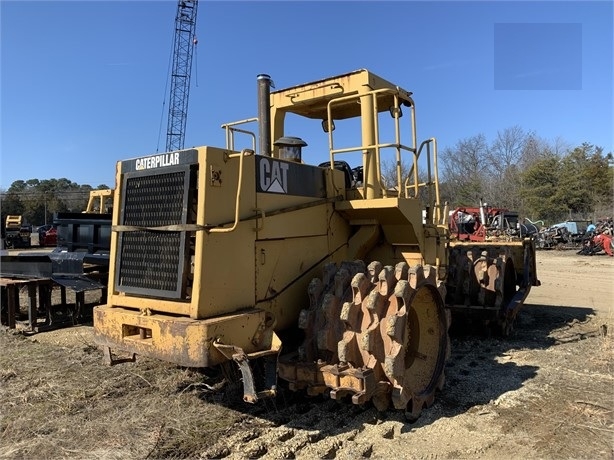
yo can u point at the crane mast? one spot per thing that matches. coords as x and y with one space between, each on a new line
183 46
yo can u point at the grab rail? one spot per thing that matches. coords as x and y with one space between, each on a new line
231 130
377 146
244 153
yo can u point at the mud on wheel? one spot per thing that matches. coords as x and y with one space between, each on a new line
378 334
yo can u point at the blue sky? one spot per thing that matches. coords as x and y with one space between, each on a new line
83 82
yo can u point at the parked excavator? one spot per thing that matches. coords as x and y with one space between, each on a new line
293 272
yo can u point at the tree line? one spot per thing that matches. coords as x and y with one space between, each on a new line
37 200
543 180
518 170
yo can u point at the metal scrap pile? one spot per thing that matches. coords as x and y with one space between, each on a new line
599 238
564 235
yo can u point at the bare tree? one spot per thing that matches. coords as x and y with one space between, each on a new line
561 147
503 158
465 171
522 171
507 148
537 148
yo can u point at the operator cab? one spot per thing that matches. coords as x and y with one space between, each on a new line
361 115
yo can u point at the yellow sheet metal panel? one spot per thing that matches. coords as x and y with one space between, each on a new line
385 210
176 339
224 269
183 341
282 280
294 223
390 213
286 305
218 185
400 234
114 237
318 94
338 236
310 99
411 255
224 261
144 303
280 262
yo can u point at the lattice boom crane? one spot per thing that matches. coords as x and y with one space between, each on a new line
183 46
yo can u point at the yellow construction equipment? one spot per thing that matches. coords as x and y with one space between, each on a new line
324 276
17 232
99 202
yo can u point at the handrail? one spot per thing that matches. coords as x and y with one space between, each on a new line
433 202
377 146
439 217
412 185
414 171
372 146
244 153
230 130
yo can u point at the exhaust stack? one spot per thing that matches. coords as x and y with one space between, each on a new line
264 113
483 213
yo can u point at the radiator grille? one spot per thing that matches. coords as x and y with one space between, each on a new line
150 260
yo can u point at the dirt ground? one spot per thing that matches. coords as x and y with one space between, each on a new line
545 392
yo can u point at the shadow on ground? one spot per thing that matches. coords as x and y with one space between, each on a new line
475 375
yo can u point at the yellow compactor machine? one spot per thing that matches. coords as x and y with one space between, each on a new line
327 276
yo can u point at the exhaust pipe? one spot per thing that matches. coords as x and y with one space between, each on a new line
264 113
483 213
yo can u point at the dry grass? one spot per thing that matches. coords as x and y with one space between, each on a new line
604 353
57 400
60 402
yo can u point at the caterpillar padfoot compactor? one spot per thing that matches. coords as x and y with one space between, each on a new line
492 267
327 276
